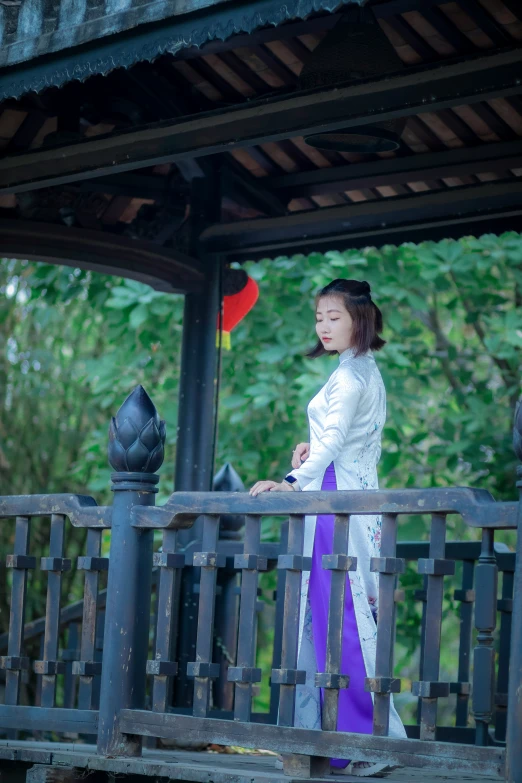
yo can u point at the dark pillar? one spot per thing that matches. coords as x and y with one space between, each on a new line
514 721
197 392
136 441
197 407
199 357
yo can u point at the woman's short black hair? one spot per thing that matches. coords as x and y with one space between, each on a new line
367 318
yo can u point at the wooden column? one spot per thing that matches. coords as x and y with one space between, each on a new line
197 407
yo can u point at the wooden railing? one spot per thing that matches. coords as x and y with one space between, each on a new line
476 508
460 589
127 713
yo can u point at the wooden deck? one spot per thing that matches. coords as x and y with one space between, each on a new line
201 767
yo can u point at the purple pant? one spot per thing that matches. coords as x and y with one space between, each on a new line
355 704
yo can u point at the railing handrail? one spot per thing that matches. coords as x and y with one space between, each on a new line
80 510
477 507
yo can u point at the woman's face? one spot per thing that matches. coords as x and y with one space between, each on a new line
334 324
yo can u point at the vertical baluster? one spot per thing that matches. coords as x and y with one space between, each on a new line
87 667
279 598
14 662
69 655
332 680
55 565
202 669
485 622
288 676
388 566
505 607
466 596
162 667
226 632
38 678
421 595
37 735
244 673
98 658
435 567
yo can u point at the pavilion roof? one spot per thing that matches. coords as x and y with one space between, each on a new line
114 159
32 29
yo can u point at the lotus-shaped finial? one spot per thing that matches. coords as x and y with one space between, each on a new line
517 431
136 435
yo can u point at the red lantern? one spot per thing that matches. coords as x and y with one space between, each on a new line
235 307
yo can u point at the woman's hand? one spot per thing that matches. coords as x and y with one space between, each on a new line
300 454
269 486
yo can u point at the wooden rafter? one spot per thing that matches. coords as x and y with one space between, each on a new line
451 163
404 94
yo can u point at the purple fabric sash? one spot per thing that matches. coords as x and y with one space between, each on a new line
355 704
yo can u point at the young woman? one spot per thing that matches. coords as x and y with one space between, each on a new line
346 420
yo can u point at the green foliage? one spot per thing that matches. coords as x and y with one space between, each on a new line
451 365
73 344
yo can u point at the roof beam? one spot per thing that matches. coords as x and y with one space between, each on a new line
395 171
237 183
303 231
430 229
270 119
163 269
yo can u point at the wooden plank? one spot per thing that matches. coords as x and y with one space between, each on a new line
275 65
457 126
494 121
269 119
419 44
486 22
440 22
285 739
54 719
200 767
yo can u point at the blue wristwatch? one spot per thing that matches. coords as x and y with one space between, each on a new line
291 480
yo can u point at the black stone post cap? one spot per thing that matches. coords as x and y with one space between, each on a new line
136 435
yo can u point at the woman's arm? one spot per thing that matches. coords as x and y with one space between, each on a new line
343 395
300 454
